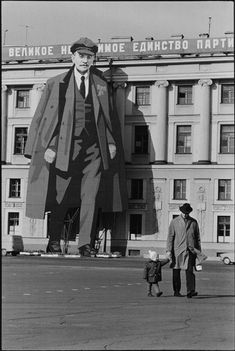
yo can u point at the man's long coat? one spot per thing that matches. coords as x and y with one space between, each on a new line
183 238
56 110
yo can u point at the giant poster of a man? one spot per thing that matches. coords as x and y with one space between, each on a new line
76 151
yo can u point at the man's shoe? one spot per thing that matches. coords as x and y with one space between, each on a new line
159 294
178 294
191 294
149 294
53 247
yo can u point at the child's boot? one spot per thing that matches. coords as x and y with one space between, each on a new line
150 292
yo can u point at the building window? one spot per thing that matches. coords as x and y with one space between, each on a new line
22 98
137 189
183 142
14 189
135 226
227 94
227 139
185 95
141 139
20 140
13 222
180 189
143 95
224 189
223 229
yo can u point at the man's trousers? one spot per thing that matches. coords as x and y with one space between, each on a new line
190 276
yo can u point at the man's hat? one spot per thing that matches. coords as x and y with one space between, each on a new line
84 46
186 208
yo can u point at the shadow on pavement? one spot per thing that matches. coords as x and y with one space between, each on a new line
212 296
195 297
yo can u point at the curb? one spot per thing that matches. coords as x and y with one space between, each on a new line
211 258
48 255
63 255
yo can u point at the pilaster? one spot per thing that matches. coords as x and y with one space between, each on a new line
120 99
203 144
4 123
159 137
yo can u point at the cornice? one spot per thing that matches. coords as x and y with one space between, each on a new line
159 61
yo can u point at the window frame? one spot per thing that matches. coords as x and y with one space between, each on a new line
17 191
227 193
227 140
177 140
17 219
144 142
224 229
187 102
140 189
230 97
136 235
27 98
145 96
181 198
24 141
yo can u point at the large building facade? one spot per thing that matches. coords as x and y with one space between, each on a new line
177 116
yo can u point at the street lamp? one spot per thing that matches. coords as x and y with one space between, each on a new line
209 27
26 35
5 34
26 32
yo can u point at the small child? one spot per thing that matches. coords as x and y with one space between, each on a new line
153 272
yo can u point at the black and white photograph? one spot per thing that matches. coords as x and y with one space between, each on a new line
117 164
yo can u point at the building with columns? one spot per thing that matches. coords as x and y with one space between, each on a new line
176 110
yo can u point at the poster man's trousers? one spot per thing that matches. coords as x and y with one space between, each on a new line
77 188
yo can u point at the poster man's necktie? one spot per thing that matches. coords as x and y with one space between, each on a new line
82 87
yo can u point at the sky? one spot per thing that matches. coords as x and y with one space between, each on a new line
63 22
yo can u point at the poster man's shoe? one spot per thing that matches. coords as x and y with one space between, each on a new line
85 250
53 247
191 294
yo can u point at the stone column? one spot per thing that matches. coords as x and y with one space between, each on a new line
120 99
203 137
159 137
4 123
36 95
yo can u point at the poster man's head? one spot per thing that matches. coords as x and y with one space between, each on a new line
83 54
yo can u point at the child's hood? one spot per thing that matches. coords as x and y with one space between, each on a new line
153 255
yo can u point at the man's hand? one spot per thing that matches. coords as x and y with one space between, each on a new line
112 150
168 255
49 156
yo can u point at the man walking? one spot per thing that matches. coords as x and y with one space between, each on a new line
75 145
183 239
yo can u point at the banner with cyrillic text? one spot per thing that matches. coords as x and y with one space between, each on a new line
116 49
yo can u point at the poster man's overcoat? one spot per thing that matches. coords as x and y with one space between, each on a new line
56 110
